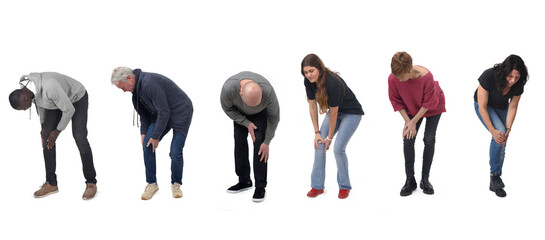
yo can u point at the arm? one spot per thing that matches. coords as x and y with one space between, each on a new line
511 114
482 98
333 111
313 109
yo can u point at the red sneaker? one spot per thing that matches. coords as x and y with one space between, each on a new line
314 192
343 193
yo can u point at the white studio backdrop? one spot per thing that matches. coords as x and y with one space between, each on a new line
199 45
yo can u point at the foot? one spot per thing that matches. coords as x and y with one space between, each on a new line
240 187
46 189
176 191
496 186
426 186
343 193
409 187
314 192
259 194
90 191
151 189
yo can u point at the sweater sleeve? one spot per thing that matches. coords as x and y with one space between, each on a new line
431 94
159 100
273 117
395 97
230 109
56 94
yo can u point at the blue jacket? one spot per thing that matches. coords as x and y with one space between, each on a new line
159 100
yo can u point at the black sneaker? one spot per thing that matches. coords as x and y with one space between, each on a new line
259 194
240 187
409 187
426 186
497 185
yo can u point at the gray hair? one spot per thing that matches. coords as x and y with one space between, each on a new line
120 74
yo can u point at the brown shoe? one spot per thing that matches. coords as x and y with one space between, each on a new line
45 190
90 191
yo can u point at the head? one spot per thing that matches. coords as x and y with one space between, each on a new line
402 64
21 99
123 78
251 93
313 69
511 73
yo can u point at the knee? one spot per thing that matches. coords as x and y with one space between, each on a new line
408 142
429 140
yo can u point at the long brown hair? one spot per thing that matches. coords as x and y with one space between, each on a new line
313 60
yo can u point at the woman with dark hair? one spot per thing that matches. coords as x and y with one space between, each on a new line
326 89
496 103
416 95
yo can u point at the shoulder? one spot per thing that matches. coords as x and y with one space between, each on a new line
488 74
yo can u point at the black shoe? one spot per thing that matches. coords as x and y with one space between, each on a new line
426 186
409 187
259 194
239 187
496 186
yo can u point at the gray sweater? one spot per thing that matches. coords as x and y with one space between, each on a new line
232 104
56 91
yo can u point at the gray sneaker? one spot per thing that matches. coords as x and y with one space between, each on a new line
90 191
45 190
176 191
151 189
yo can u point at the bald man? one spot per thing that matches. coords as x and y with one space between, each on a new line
250 101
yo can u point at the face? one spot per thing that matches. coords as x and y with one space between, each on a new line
311 73
512 78
127 86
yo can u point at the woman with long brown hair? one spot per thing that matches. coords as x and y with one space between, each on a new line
326 89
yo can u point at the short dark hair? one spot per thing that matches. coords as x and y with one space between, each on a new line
15 98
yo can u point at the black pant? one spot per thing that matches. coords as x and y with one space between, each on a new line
79 131
429 146
242 162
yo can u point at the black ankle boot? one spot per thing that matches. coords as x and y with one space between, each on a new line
426 186
496 186
409 187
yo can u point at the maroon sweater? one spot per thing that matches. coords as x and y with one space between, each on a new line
415 94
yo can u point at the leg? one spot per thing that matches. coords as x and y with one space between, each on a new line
149 157
429 143
318 169
408 151
260 167
79 132
242 162
177 156
52 119
347 125
497 152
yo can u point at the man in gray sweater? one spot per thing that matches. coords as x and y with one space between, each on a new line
58 99
250 101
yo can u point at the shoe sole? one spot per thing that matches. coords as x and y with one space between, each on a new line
409 193
315 195
47 194
493 190
257 200
237 191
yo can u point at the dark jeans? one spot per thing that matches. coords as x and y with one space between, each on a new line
79 131
429 146
242 162
176 156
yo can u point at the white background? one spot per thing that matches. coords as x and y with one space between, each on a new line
199 44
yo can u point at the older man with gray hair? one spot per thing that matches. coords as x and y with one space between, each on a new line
250 101
162 106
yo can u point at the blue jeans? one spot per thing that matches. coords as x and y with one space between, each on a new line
176 155
497 152
346 126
